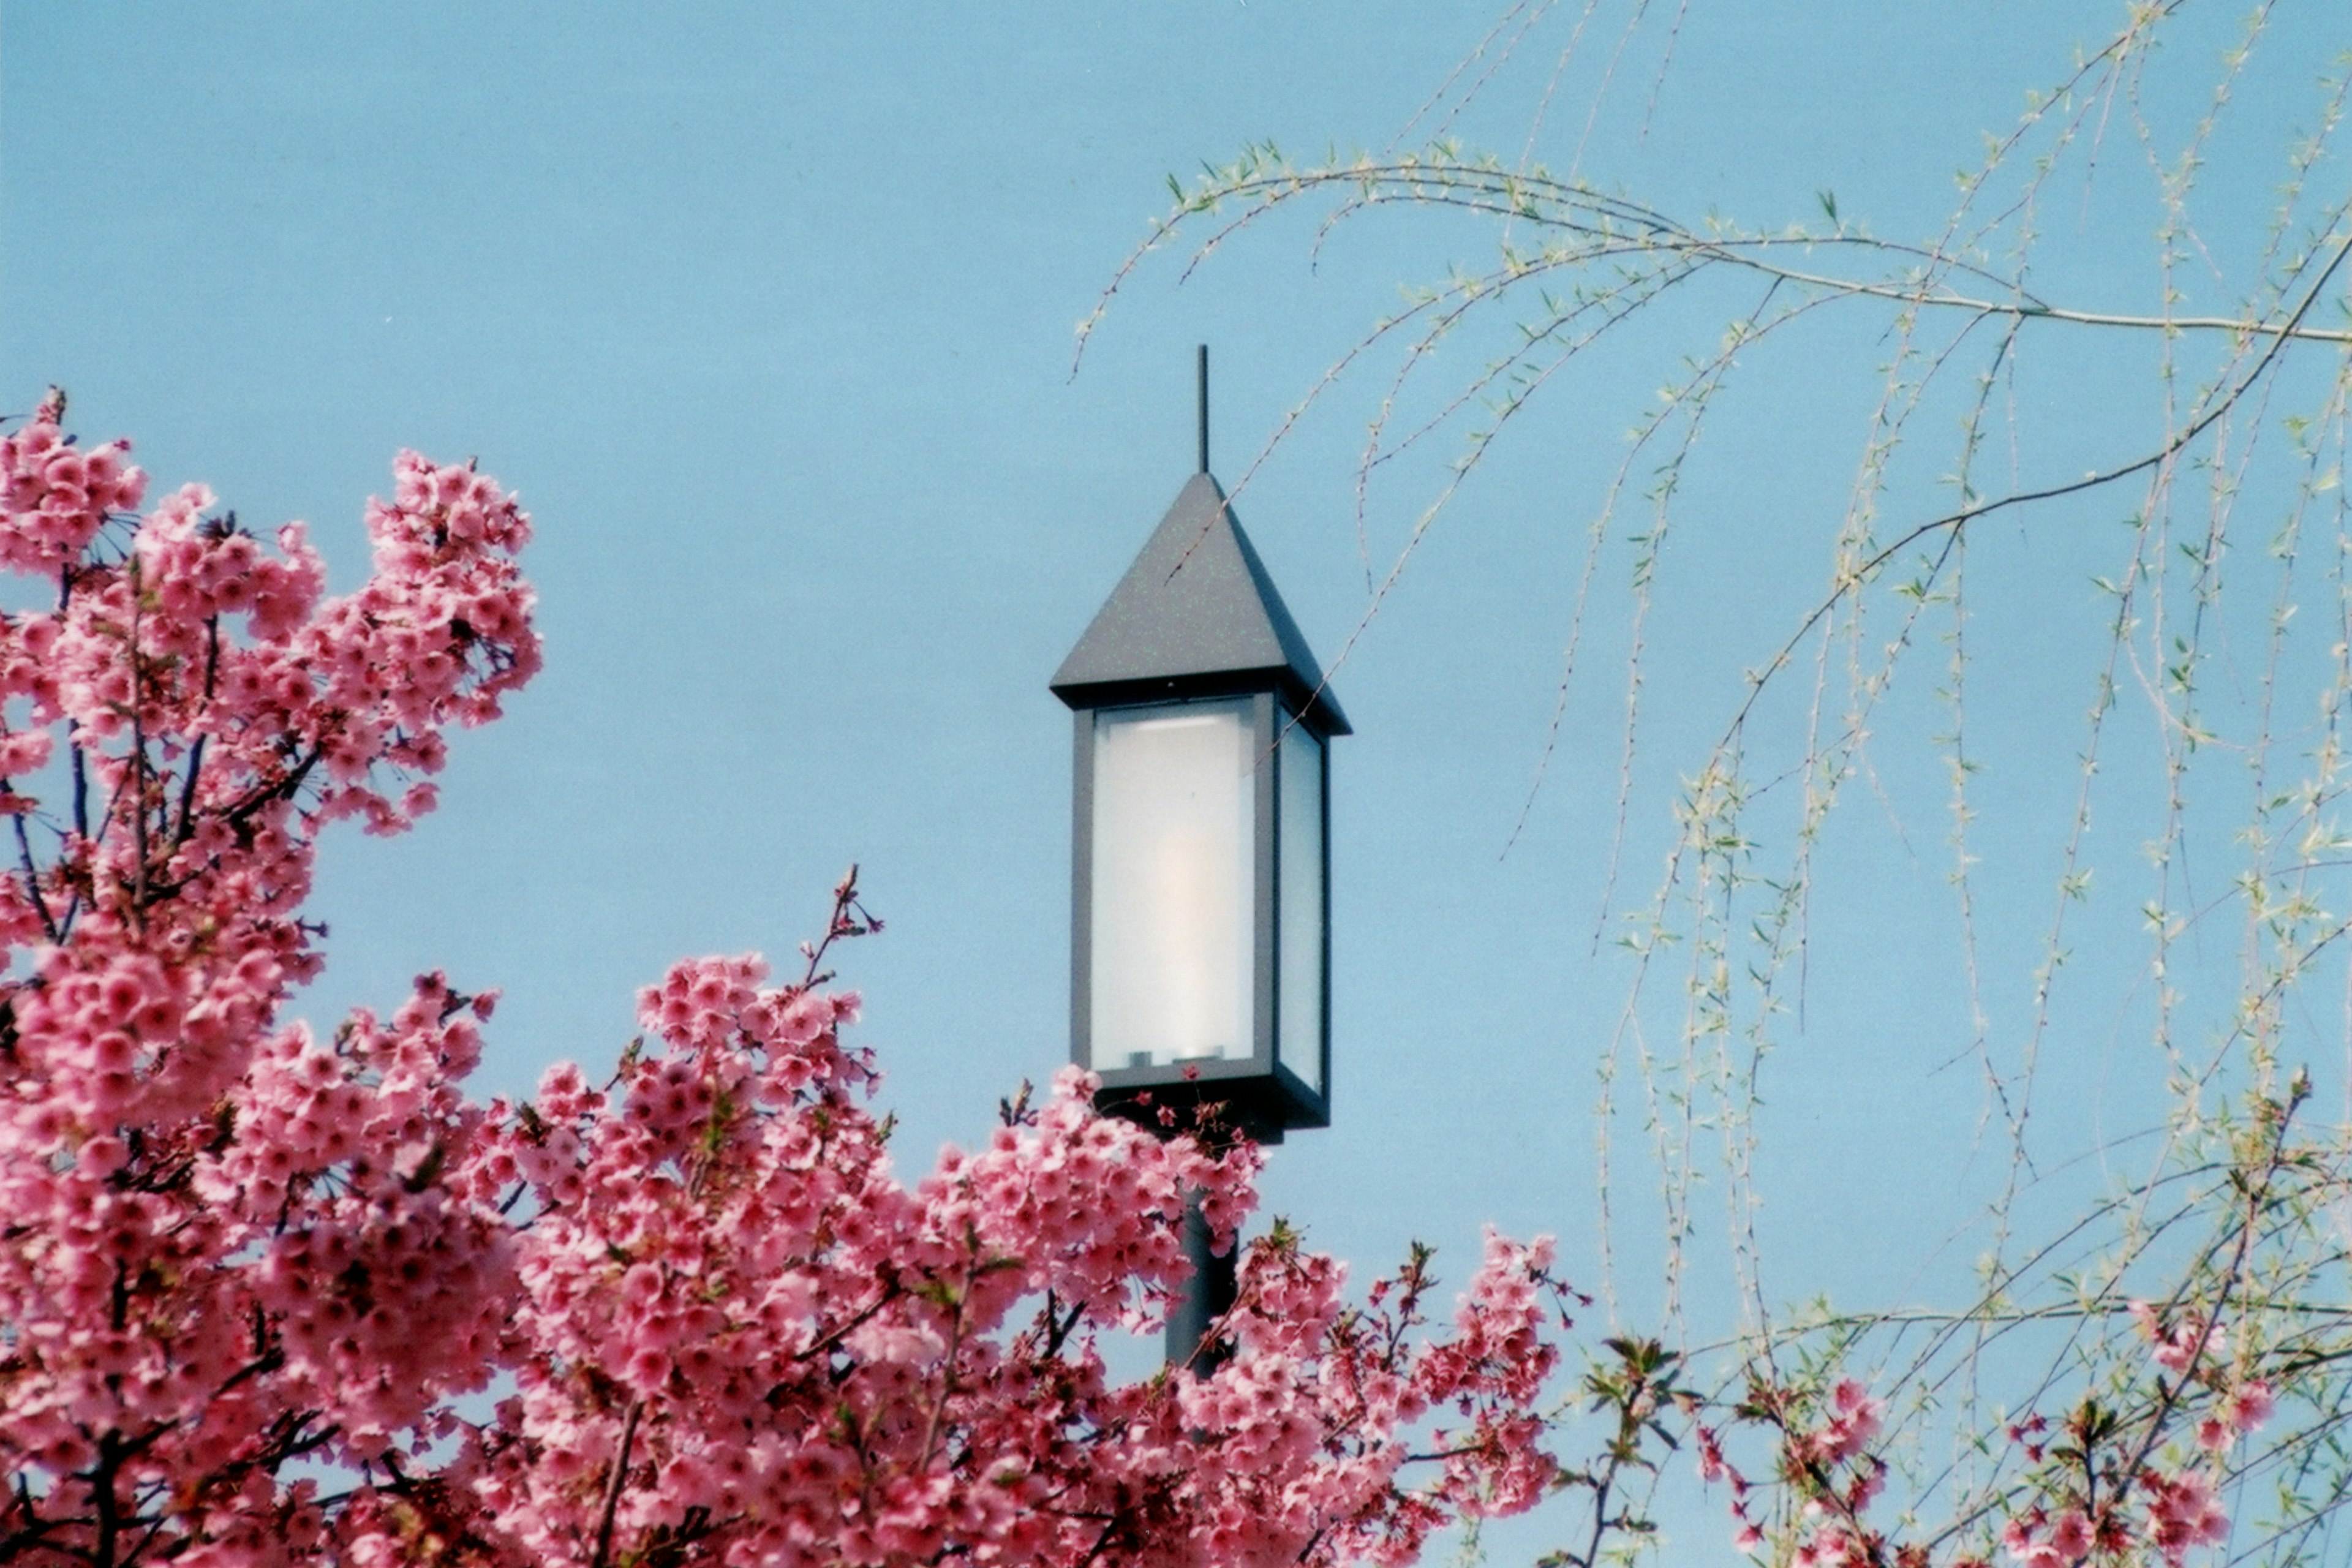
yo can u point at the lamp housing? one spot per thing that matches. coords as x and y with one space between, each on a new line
1201 834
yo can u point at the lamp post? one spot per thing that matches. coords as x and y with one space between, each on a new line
1201 856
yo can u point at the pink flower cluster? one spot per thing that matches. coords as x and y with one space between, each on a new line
1853 1421
2180 1512
54 495
2146 1503
1824 1461
804 1360
2034 1540
236 1258
2183 1513
2182 1343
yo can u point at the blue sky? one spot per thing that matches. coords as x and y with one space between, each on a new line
768 313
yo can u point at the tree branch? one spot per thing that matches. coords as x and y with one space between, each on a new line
613 1487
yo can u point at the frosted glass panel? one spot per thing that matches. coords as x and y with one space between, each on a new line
1173 938
1301 1032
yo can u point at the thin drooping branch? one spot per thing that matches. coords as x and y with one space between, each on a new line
2098 478
1593 225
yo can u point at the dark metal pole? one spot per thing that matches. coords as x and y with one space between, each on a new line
1203 380
1208 1295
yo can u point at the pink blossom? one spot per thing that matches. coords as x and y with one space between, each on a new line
1711 1465
2179 1343
2250 1404
1853 1420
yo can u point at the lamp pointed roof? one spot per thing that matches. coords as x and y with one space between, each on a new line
1196 610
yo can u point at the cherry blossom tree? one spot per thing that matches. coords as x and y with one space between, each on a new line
273 1297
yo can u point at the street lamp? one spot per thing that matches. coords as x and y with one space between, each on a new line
1200 889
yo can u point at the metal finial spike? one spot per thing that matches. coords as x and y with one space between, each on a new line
1203 380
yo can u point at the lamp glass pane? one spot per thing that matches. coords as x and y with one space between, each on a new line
1173 934
1300 1033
